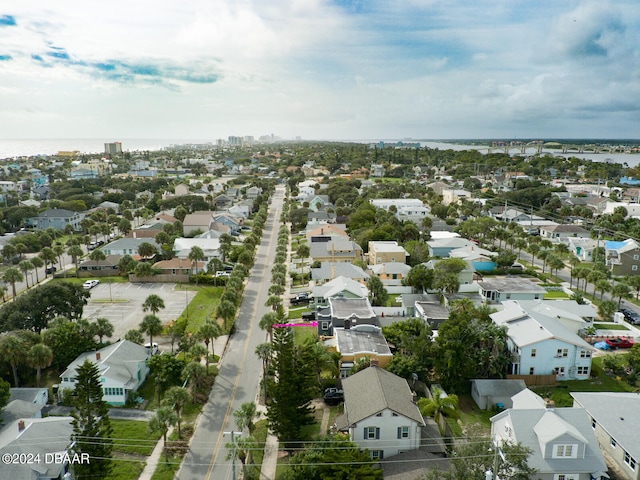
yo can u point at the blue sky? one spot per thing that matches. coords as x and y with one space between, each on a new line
320 69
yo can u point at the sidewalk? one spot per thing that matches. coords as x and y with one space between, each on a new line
154 459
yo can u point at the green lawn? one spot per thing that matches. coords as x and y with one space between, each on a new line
201 307
610 326
125 469
301 334
296 313
132 437
599 382
559 295
166 470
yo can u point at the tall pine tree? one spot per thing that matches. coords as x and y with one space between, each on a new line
291 393
91 426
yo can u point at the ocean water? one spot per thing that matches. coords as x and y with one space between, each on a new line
10 148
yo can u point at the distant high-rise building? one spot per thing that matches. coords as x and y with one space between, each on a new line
113 148
235 140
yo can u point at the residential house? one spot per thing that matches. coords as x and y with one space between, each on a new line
223 201
197 221
385 252
330 270
106 267
253 192
454 196
338 287
179 268
554 232
241 210
128 246
631 195
234 223
615 424
481 259
376 170
582 248
623 258
400 204
210 247
390 274
542 345
466 276
338 249
570 313
319 202
499 289
325 231
561 440
380 414
320 217
57 218
597 204
122 366
23 403
36 438
432 313
442 247
491 393
344 312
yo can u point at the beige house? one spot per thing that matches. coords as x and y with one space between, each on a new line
386 252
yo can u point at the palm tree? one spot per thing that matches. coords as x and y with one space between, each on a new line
263 351
603 285
245 416
208 332
146 250
196 255
75 252
440 404
241 447
534 250
634 281
177 398
225 245
104 328
12 275
59 250
266 323
196 374
37 263
620 290
164 419
49 256
321 358
227 311
153 303
274 302
25 266
39 356
574 262
13 350
151 325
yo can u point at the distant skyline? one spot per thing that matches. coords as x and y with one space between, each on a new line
341 69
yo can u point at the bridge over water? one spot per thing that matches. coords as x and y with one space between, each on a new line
537 147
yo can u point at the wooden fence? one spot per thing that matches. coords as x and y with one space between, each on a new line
535 380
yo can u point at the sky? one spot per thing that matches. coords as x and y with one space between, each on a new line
320 69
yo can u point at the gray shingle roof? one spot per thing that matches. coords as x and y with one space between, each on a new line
617 413
373 390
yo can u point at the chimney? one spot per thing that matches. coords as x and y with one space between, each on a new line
373 362
549 404
98 356
21 426
414 397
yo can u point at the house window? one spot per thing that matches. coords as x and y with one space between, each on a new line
636 257
565 451
585 354
533 352
593 423
562 352
324 325
559 371
508 296
630 461
564 476
583 370
613 442
376 454
531 370
634 267
403 432
371 433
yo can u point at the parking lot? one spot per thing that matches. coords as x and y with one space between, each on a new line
121 303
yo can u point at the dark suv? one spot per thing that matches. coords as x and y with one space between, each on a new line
300 299
631 316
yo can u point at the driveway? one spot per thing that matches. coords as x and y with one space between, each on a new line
121 303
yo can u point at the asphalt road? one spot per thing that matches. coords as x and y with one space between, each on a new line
239 374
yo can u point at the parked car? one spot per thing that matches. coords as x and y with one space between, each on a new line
631 316
89 284
50 270
221 273
620 342
301 298
333 396
308 315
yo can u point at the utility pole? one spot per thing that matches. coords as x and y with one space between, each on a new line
233 452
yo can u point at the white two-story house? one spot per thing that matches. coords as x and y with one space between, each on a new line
379 413
542 345
562 443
